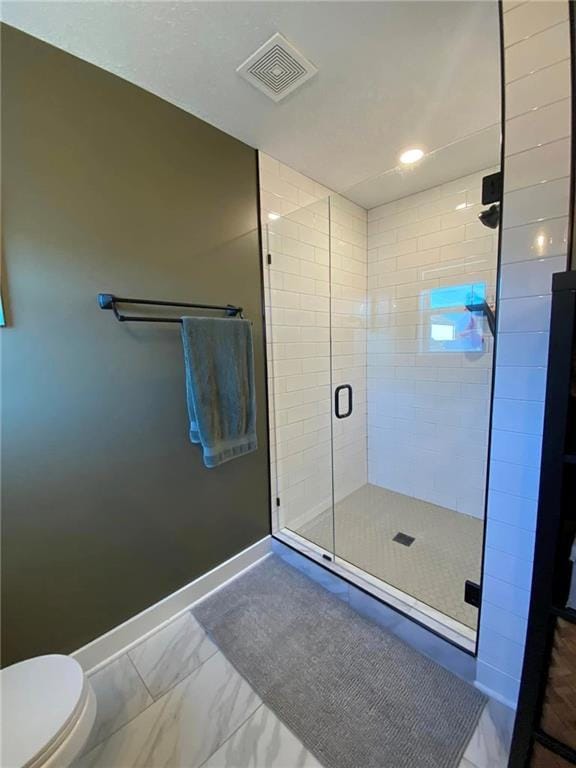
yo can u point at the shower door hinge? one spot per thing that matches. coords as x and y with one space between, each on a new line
472 594
269 258
277 501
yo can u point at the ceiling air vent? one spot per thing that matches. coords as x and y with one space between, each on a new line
277 68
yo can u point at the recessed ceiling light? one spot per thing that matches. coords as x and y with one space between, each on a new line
273 216
410 156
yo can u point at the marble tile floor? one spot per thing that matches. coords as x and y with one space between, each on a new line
174 701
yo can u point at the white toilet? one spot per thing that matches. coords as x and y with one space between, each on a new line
47 712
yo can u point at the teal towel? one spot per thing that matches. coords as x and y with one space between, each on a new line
219 363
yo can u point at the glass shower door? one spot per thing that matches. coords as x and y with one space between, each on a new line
297 281
348 276
411 369
379 384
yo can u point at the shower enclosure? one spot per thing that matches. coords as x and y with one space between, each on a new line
380 367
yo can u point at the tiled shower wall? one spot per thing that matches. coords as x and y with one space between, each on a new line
298 298
534 246
428 411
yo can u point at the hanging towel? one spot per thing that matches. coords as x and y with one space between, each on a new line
219 364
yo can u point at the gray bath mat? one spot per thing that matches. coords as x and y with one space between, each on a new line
355 695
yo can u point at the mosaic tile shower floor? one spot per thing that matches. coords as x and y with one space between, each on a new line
447 547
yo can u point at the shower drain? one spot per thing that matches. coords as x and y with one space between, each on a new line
403 538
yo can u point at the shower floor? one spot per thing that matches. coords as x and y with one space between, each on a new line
446 550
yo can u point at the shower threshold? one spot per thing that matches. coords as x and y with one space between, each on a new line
449 629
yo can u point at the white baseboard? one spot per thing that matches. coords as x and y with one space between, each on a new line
117 641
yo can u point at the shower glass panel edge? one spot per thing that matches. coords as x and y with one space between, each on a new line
297 262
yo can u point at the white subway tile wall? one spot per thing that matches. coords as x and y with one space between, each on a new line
301 221
428 411
534 245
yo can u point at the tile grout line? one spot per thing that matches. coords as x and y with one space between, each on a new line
133 663
513 190
130 720
154 701
189 613
518 5
531 295
534 184
515 332
535 110
531 222
517 432
500 672
536 71
535 34
243 723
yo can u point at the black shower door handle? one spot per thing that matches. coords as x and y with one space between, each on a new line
337 391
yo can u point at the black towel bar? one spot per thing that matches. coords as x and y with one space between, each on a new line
109 301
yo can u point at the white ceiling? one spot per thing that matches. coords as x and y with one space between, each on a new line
476 152
391 75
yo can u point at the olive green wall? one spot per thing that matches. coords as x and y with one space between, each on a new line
106 505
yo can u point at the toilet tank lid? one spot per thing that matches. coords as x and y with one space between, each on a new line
39 698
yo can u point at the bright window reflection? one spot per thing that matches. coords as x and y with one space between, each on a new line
442 332
457 295
457 330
